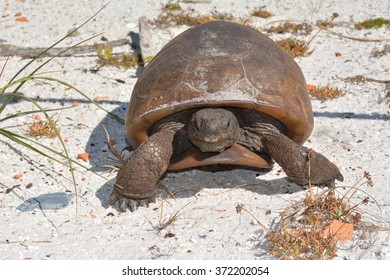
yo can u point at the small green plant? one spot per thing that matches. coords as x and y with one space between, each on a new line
171 6
372 23
105 52
126 61
324 24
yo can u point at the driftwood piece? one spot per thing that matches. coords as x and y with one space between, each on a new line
29 52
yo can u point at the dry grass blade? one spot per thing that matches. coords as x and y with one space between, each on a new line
166 222
240 208
2 68
111 146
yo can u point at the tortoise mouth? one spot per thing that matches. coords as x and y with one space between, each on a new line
212 145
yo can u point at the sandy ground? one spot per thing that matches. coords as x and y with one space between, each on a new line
352 131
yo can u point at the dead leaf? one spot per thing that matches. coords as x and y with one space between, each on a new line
339 231
97 98
17 176
83 156
311 87
21 19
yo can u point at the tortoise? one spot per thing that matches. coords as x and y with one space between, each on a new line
219 93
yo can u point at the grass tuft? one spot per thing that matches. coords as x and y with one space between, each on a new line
295 47
173 14
42 128
324 93
260 12
171 6
125 61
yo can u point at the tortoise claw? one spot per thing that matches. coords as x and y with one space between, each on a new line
126 202
133 205
144 203
330 184
113 198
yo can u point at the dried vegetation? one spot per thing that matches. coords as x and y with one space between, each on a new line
295 47
174 14
324 93
303 28
313 227
122 60
42 128
261 12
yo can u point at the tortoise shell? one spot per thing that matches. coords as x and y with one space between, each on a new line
221 64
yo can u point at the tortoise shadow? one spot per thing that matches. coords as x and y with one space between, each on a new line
189 183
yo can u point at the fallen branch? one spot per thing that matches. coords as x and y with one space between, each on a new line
30 52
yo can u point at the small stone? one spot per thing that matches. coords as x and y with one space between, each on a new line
48 201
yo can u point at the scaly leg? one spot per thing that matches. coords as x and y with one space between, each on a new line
294 160
138 178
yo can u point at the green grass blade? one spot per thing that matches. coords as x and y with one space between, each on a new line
59 41
116 117
50 59
23 141
32 112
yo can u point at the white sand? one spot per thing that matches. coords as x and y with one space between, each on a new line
353 131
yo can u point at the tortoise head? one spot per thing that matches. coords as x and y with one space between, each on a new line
213 129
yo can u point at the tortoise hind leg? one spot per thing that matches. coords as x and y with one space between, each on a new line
136 181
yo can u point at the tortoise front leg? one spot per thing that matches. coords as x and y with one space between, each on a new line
137 180
294 160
